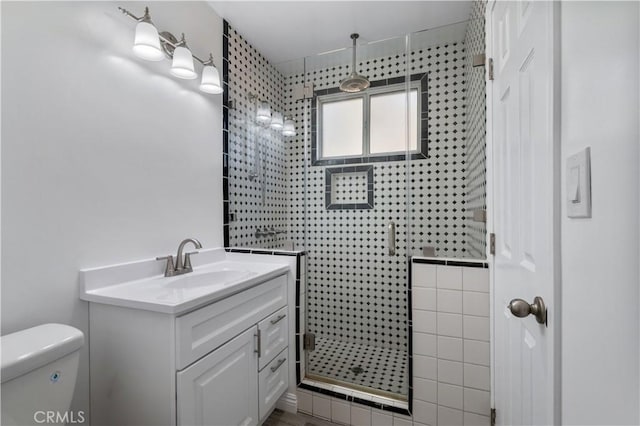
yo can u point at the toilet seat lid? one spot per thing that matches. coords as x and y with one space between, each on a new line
26 350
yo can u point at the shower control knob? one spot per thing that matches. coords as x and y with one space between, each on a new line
521 309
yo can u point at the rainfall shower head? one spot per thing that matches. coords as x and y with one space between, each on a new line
354 82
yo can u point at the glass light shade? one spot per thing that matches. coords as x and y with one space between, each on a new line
210 82
146 44
182 66
276 121
289 128
263 113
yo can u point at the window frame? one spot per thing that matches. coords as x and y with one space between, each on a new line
394 85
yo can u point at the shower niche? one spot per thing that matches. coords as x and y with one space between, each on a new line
370 179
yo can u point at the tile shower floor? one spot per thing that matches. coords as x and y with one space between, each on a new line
372 367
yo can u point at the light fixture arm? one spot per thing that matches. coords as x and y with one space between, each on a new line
182 42
144 18
209 61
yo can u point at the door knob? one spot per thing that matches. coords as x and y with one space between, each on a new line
520 308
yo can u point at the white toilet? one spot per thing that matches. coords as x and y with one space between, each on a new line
39 370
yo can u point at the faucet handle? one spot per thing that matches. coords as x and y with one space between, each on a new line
169 268
187 260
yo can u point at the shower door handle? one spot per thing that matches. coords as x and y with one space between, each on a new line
392 239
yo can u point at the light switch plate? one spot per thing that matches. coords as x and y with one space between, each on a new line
578 184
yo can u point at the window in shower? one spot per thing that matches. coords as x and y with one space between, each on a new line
342 127
370 126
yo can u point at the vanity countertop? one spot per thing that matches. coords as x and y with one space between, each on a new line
142 285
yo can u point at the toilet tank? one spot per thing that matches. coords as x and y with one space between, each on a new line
38 375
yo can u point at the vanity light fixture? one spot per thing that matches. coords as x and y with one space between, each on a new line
182 65
272 119
277 122
263 112
146 44
289 128
153 46
210 82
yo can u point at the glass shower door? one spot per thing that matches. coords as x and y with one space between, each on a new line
355 151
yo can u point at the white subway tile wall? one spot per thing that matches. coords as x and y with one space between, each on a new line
425 390
462 341
340 411
450 396
449 417
450 348
425 343
360 415
449 324
449 372
381 418
477 401
449 301
321 406
305 401
449 277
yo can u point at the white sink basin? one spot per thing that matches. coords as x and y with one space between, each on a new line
139 284
224 276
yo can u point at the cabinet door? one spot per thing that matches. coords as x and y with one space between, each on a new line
222 388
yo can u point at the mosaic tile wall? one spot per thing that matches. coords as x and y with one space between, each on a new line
356 291
257 172
476 132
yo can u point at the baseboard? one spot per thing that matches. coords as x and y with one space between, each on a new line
288 402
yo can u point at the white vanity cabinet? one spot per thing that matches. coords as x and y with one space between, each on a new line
225 363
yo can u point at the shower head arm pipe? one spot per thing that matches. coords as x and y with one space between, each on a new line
353 54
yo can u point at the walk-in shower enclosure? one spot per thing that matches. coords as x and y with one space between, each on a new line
370 179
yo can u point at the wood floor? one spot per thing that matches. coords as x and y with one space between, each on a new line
282 418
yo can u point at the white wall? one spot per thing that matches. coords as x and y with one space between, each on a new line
105 158
600 256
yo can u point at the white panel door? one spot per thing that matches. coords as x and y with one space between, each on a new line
222 388
524 184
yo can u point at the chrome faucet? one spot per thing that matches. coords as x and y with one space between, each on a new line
183 262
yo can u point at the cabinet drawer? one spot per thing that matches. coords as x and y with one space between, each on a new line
273 381
274 336
201 331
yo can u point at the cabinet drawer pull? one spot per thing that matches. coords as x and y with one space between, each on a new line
258 348
280 362
277 320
